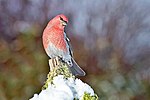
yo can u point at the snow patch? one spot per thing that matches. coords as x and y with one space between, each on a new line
64 89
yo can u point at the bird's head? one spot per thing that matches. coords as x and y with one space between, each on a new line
59 21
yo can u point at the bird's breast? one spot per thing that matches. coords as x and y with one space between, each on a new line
58 40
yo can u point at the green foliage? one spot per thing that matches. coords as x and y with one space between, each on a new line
22 67
87 96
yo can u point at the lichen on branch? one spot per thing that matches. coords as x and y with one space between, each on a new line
61 69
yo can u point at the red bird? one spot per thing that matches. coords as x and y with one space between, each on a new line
56 43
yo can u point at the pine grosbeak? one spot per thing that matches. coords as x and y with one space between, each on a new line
56 43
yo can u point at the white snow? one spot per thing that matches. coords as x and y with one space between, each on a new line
82 87
64 89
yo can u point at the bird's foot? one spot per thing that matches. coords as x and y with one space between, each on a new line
54 62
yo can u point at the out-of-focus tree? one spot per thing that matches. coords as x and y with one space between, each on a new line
111 42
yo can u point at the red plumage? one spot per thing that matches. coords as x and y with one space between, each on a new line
55 36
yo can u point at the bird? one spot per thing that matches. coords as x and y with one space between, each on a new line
57 44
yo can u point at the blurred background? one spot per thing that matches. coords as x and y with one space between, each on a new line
110 40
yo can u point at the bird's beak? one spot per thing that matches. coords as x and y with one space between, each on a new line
64 23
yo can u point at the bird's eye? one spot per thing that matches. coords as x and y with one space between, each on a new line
61 18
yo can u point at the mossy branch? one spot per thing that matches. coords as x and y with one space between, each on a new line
57 67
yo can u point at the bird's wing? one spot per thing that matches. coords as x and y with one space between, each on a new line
69 44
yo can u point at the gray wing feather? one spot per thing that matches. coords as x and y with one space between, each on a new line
75 69
68 42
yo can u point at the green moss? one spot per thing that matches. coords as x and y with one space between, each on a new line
87 96
61 69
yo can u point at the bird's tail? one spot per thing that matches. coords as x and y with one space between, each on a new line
76 70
